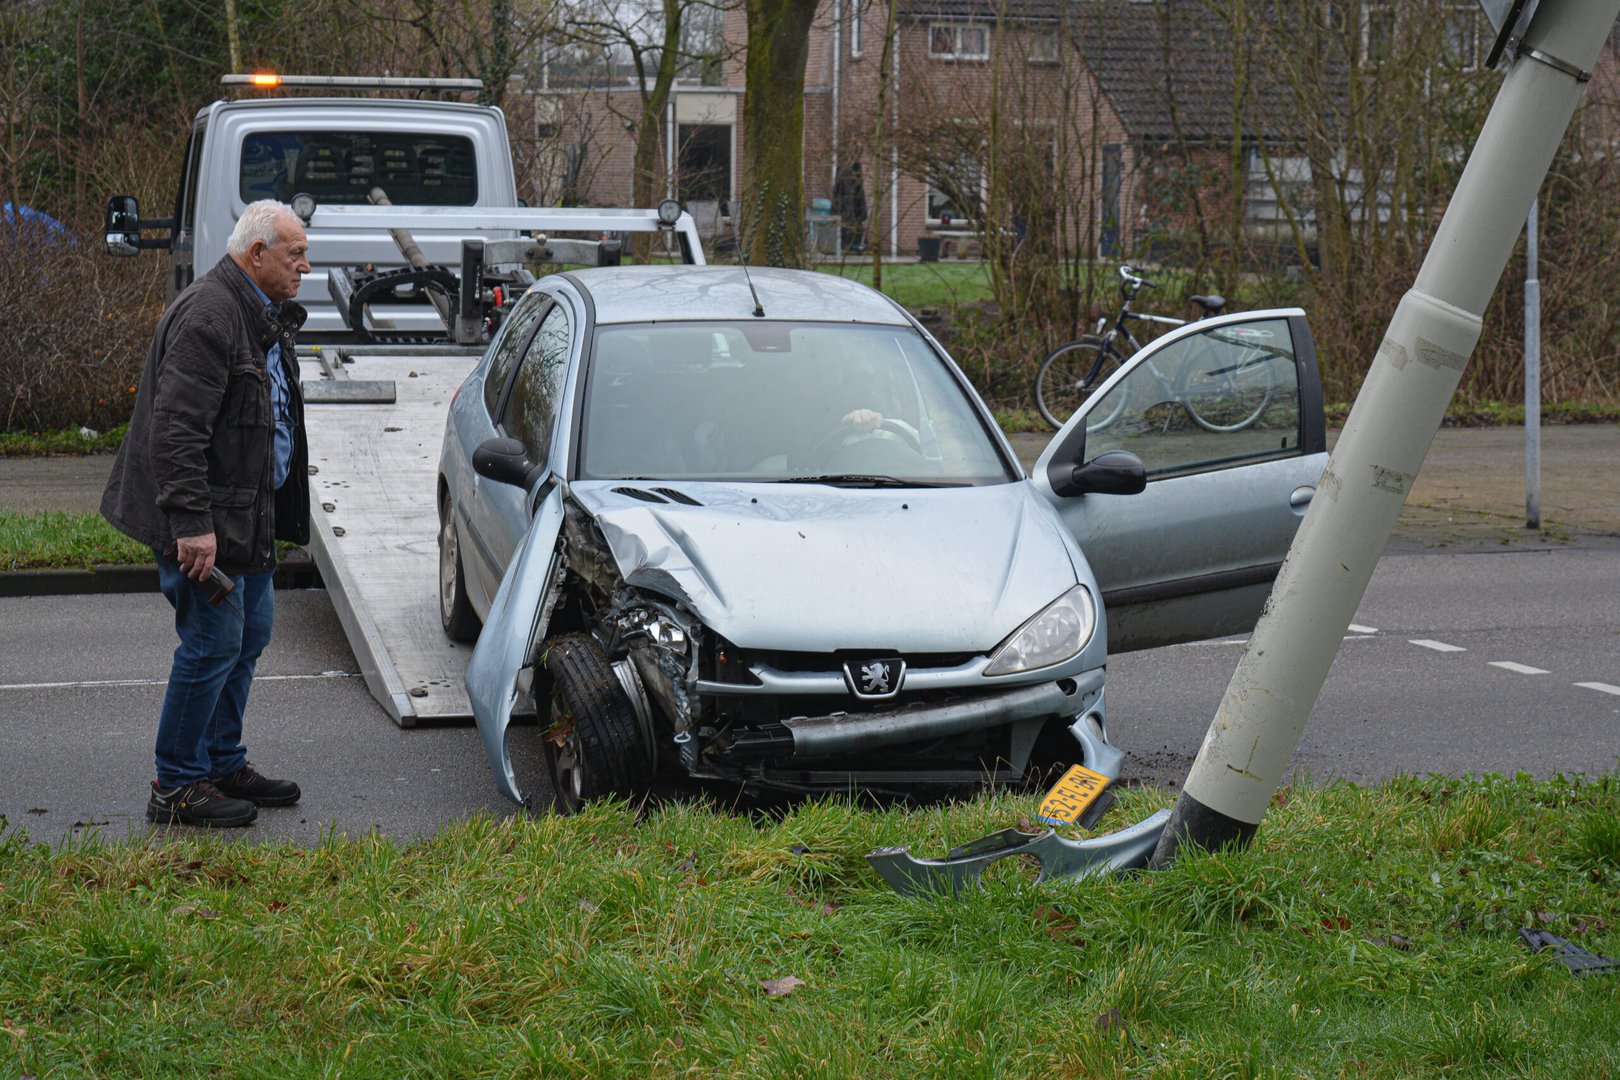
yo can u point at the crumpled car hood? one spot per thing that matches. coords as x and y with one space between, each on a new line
812 568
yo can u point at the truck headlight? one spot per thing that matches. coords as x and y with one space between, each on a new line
1056 634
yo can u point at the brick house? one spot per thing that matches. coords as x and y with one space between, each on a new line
1110 124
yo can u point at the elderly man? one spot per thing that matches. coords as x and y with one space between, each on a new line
213 472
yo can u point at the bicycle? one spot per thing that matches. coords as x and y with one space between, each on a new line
1073 370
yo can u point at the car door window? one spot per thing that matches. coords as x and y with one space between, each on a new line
514 335
1227 396
532 409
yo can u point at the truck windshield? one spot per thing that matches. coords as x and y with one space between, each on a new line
343 167
778 401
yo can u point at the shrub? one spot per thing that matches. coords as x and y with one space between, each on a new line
78 324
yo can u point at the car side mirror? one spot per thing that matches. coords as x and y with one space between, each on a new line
123 226
504 461
1117 472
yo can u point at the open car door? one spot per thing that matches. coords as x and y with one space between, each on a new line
1226 417
516 624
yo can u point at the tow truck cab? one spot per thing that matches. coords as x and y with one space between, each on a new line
339 150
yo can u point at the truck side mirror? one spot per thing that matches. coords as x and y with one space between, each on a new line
123 226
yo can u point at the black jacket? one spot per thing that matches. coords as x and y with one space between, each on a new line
199 455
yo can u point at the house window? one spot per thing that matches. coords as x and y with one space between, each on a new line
955 188
1377 33
705 162
856 17
1043 46
958 41
1462 37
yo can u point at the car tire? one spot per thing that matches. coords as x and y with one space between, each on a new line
594 742
456 612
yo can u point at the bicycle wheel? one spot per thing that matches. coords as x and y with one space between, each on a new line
1228 392
1061 384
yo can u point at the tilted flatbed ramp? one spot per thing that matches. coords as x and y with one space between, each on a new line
374 521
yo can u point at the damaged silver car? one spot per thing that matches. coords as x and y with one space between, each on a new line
756 527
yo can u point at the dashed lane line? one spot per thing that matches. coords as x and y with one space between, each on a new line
1601 687
1522 669
1437 646
1355 629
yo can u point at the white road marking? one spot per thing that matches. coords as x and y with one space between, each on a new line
1245 641
103 683
1354 629
1437 646
1522 669
1602 687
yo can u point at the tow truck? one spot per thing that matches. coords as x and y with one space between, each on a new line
420 249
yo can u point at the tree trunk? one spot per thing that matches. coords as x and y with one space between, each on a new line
644 184
773 119
880 173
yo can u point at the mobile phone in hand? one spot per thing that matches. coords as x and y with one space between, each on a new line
223 585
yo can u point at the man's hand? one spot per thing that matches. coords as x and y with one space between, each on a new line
195 554
863 420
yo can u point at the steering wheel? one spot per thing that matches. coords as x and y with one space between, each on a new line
888 429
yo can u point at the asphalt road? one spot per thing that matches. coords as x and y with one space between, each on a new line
81 679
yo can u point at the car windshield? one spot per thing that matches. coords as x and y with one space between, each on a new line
844 403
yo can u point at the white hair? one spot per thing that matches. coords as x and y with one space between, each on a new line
257 224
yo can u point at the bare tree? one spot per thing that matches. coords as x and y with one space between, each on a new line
653 42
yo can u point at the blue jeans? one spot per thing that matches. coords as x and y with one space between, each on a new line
199 733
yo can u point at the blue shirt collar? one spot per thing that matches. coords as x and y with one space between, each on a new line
264 296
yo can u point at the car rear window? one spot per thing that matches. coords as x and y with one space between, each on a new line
343 166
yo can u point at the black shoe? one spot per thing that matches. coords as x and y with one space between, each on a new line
246 783
199 803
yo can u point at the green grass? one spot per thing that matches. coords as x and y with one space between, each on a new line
65 441
1509 413
920 285
51 539
1367 932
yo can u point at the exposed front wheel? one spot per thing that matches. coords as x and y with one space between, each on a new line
1069 375
594 742
456 612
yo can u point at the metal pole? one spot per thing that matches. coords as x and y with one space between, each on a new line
1532 378
1388 433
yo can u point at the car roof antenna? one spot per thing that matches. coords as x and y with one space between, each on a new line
759 308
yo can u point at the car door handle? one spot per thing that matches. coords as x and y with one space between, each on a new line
1300 498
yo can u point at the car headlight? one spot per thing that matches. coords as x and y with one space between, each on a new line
1056 634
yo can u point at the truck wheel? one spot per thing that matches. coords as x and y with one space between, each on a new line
593 742
456 612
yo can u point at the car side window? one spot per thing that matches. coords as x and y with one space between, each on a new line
514 334
1227 396
532 408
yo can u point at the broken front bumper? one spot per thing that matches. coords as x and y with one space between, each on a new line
962 867
842 733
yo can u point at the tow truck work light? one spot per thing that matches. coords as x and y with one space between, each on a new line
669 212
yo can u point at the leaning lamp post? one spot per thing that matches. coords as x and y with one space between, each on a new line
1550 47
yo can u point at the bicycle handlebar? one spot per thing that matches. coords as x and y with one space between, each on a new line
1131 282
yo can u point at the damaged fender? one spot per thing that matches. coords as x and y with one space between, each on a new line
515 625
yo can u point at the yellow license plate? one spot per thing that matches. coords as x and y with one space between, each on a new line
1069 798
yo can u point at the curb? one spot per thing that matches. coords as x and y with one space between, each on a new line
137 578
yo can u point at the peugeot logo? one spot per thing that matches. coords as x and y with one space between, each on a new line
876 678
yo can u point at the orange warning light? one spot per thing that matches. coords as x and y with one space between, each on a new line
266 79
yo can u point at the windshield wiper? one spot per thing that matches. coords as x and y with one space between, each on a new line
875 480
